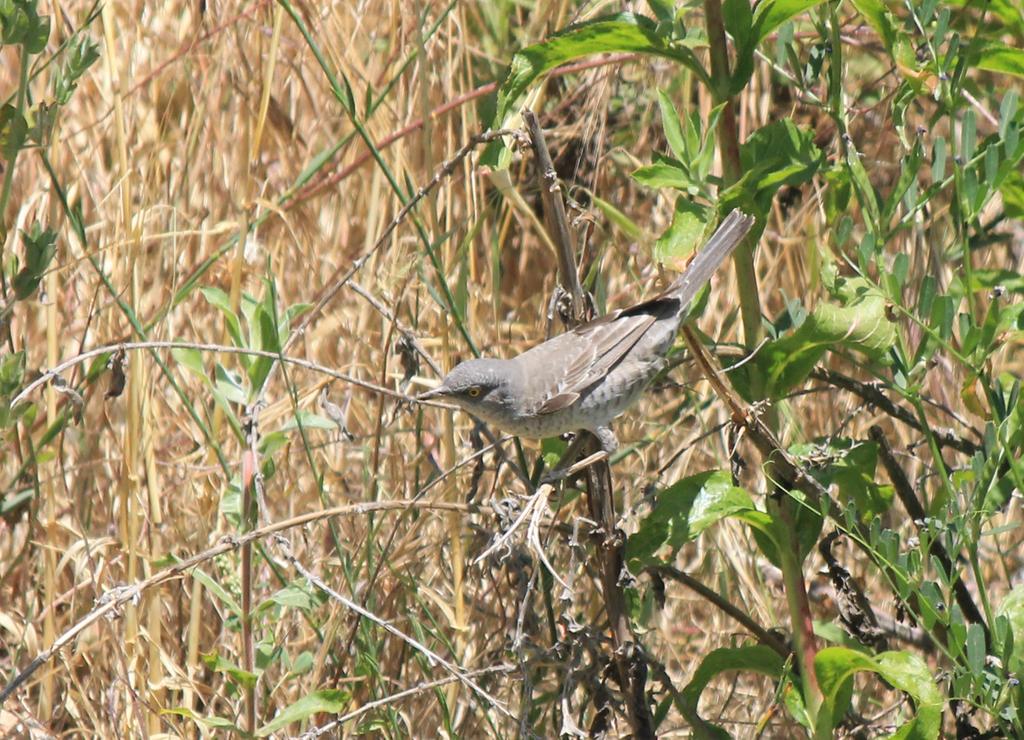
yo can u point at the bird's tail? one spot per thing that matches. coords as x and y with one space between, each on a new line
721 244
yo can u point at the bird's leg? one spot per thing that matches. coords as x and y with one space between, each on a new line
606 437
568 466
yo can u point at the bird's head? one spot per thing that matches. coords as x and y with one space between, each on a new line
484 387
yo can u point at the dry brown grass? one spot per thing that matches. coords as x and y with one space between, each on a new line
178 141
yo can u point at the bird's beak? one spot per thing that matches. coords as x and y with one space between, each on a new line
439 392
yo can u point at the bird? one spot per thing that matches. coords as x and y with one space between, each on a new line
586 377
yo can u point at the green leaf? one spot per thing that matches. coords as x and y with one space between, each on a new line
217 590
751 658
739 20
309 420
851 466
327 701
215 662
1012 190
229 385
672 126
836 666
995 56
1012 607
214 723
298 594
38 34
619 219
40 248
82 54
879 18
267 340
854 474
688 227
622 32
13 132
191 359
665 172
778 154
771 14
684 510
860 325
12 371
222 302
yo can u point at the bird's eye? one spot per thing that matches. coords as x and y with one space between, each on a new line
474 392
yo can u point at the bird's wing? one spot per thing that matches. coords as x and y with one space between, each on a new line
598 346
587 353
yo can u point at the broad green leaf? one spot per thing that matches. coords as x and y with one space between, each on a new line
879 18
855 475
296 595
751 658
778 154
38 35
12 371
327 701
13 132
229 385
836 666
684 510
748 32
861 325
40 247
739 19
191 359
689 224
622 32
1012 190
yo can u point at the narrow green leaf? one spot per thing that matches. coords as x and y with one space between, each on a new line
969 135
773 13
222 302
1012 608
619 219
217 662
214 723
671 125
995 56
663 173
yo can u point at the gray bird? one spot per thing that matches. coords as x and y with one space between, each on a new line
586 377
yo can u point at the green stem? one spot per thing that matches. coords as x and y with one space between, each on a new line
5 194
732 169
782 510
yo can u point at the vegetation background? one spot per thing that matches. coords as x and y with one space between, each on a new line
197 538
